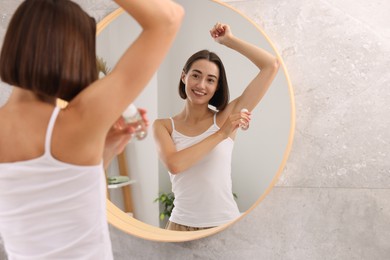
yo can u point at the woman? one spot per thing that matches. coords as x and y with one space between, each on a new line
196 144
52 181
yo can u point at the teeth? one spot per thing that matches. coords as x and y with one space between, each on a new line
199 93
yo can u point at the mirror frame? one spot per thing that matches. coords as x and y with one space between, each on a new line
119 219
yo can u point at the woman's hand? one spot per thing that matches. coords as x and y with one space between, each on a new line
221 33
234 121
119 136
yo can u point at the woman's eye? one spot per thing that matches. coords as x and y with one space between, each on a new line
195 76
211 80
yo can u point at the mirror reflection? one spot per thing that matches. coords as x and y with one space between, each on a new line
258 152
196 144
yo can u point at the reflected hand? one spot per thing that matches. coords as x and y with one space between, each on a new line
221 33
143 112
118 137
235 121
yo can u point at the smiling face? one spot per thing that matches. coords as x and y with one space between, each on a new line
207 64
201 81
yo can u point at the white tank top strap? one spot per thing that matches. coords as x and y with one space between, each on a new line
173 123
50 127
215 119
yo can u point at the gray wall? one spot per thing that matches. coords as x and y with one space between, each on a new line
333 199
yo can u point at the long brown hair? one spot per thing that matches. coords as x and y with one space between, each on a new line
49 48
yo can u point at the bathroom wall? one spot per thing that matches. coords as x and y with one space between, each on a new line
333 198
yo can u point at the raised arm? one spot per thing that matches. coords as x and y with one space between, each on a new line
101 104
267 63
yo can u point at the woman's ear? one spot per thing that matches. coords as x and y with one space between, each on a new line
183 76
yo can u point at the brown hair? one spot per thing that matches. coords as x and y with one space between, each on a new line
221 95
49 48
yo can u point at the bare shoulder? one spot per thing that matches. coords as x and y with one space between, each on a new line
163 124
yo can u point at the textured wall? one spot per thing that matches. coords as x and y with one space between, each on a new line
333 199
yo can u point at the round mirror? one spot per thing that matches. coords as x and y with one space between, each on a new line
259 154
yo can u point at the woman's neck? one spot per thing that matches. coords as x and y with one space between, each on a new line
195 114
20 95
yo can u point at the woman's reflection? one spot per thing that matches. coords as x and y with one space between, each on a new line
196 144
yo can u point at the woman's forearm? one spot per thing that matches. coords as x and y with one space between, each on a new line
186 158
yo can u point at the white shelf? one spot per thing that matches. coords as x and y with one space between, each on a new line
118 185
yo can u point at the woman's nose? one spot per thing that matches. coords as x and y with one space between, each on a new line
202 83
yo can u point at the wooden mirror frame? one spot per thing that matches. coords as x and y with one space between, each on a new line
119 219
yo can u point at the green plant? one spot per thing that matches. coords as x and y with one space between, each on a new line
166 201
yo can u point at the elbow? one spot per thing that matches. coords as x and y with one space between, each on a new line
178 15
173 18
167 19
271 66
275 64
173 169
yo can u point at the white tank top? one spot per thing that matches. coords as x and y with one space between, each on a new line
53 210
203 193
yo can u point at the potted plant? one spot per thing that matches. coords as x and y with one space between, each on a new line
166 201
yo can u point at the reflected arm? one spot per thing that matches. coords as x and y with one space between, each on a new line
267 63
178 161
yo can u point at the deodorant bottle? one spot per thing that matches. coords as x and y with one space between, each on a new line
244 126
134 119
